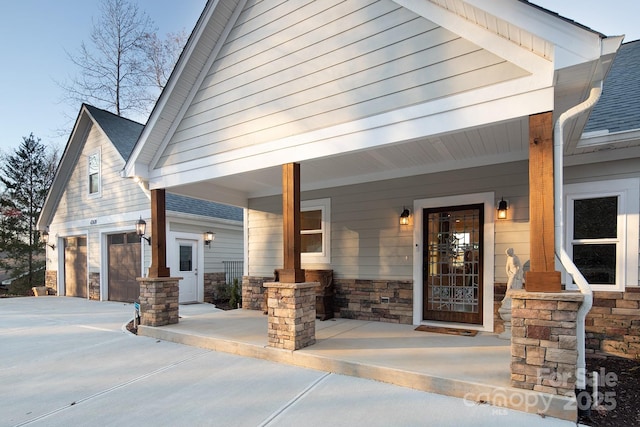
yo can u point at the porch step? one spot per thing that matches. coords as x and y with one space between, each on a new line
343 360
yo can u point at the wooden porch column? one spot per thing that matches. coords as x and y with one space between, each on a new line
158 266
292 273
542 277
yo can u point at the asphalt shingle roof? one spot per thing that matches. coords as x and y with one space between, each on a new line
618 109
124 133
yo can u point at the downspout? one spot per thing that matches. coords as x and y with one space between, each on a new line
561 253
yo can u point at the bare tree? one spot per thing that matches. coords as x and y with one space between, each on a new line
125 65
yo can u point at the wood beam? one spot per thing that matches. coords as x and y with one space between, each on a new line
292 273
542 276
158 266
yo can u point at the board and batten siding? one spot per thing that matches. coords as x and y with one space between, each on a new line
300 66
367 241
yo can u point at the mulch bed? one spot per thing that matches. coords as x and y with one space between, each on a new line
619 392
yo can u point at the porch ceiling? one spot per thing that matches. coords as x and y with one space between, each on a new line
498 143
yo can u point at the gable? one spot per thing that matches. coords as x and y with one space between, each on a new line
292 69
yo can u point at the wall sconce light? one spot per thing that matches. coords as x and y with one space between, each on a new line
404 217
209 237
141 227
502 209
45 239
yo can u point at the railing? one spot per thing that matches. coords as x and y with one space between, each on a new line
233 270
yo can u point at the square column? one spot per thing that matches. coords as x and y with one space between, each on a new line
291 309
158 300
544 350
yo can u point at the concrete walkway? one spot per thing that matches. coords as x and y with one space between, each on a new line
68 361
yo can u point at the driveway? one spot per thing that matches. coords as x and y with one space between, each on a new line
69 361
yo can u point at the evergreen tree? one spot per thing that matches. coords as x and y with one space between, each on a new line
26 176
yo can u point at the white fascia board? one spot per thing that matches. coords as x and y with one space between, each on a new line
198 83
99 221
574 44
482 37
425 120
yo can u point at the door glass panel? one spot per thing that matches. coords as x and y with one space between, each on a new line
186 258
453 256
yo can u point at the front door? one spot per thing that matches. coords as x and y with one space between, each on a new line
452 264
188 270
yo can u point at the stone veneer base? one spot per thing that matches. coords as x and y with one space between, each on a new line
291 309
158 300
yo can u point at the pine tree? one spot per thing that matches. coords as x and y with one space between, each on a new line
26 176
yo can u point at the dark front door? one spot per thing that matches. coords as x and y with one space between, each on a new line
452 264
124 266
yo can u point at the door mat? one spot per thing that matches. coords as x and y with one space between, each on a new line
450 331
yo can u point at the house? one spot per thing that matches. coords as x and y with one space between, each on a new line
604 161
405 145
90 216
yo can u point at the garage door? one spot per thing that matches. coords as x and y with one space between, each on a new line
124 266
75 266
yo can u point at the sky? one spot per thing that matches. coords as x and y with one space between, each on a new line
36 34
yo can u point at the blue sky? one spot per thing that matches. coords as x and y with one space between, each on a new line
35 34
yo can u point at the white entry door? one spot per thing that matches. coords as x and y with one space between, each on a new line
188 270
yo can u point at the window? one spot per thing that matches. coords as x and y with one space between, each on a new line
315 230
94 173
602 232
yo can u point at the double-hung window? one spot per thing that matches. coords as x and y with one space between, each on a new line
602 232
315 230
94 174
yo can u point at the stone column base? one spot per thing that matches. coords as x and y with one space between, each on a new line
544 351
291 309
158 300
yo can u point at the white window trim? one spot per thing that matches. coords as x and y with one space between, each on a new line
324 205
97 194
489 202
628 193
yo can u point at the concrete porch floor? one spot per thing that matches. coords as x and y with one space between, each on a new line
476 369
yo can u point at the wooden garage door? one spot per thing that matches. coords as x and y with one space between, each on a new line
124 266
75 266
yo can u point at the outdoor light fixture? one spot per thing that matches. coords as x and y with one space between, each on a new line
209 236
141 227
45 240
404 217
502 209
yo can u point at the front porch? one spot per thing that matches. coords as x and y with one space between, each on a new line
473 368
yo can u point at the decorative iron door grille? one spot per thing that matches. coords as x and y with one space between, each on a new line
452 264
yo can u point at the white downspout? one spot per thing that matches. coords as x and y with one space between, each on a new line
561 253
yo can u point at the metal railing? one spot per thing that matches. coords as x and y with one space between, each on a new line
233 270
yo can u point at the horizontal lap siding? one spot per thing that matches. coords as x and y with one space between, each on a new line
367 241
294 67
118 194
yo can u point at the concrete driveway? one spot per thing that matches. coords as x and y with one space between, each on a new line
69 361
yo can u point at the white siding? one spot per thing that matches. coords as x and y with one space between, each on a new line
367 241
300 66
227 246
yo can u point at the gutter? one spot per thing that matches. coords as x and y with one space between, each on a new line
565 260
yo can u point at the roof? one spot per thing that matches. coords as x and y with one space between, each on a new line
618 109
177 203
123 133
